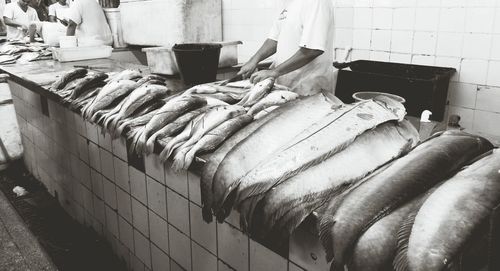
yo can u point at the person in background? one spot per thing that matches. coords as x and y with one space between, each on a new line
58 11
18 16
86 19
41 9
301 41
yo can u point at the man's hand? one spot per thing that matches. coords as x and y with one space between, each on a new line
263 75
248 69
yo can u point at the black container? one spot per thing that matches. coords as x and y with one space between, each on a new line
423 87
197 62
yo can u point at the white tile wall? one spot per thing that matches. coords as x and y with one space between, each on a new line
463 34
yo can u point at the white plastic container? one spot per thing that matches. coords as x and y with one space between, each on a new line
81 53
162 59
67 42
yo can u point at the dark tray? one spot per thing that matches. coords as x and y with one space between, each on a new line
423 87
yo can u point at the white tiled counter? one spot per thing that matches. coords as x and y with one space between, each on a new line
150 215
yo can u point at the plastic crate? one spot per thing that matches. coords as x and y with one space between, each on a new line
81 53
423 87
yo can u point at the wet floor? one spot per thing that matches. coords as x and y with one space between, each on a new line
69 245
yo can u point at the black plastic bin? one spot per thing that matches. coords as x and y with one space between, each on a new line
423 87
197 62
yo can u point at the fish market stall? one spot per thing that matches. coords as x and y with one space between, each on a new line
233 175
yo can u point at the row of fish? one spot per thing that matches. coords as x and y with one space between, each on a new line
187 123
13 52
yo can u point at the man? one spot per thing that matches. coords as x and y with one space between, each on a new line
58 11
18 16
301 41
41 9
86 19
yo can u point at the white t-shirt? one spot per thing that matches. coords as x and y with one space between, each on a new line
14 12
91 21
58 10
308 24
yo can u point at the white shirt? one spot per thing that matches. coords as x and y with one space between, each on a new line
14 12
308 24
91 21
58 10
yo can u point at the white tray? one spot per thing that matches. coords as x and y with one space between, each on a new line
81 53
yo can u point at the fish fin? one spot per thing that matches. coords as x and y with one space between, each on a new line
400 262
227 205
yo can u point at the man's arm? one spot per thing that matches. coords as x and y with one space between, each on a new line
52 18
301 58
71 29
266 50
8 21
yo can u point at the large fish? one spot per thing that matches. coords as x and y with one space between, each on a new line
108 94
212 119
429 163
452 216
295 118
213 161
274 98
257 92
285 206
139 120
68 77
215 137
174 127
170 111
135 100
320 141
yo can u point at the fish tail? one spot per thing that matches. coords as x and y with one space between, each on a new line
141 143
163 155
400 262
119 130
135 141
112 122
150 144
188 160
178 163
207 213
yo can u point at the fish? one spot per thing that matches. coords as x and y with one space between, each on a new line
137 98
451 217
135 122
108 94
274 98
264 112
68 77
158 79
85 97
215 137
408 177
180 138
213 161
89 81
174 127
169 112
220 96
127 74
288 204
295 118
257 92
212 119
320 141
